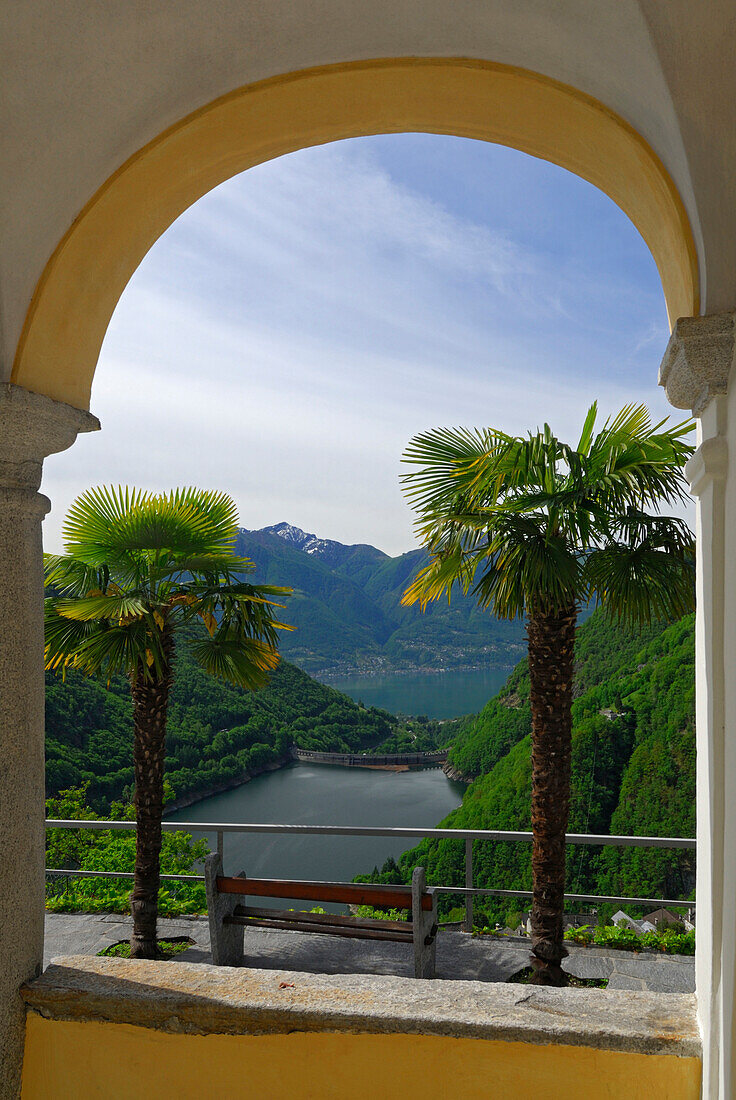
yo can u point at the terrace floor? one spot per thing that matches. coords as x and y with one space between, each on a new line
459 956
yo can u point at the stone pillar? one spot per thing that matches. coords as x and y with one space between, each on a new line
695 373
31 427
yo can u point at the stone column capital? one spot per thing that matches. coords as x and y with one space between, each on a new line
33 426
697 361
708 464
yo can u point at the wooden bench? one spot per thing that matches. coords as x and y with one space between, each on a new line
229 915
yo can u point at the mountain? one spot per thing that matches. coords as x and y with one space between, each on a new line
633 769
347 611
336 555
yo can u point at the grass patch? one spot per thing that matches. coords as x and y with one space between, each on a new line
524 977
168 949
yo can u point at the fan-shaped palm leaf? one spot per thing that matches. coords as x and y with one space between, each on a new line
246 663
72 577
105 524
101 608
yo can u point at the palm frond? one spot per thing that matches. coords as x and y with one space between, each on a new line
641 583
586 436
439 577
132 649
72 577
208 588
446 456
92 647
140 565
245 663
102 607
519 520
228 565
64 637
527 568
107 523
631 463
251 620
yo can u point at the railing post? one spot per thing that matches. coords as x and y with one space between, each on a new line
221 847
468 884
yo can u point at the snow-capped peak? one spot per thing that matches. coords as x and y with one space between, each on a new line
310 544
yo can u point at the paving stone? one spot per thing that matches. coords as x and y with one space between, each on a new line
659 974
459 957
83 932
581 965
621 981
90 933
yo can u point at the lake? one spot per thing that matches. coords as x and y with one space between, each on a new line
322 795
438 695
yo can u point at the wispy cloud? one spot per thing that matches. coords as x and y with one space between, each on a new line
296 327
654 335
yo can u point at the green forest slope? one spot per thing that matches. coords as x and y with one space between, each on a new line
216 734
633 769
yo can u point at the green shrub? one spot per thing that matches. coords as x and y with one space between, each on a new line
368 912
114 850
669 942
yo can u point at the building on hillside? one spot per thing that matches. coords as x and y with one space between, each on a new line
571 920
623 920
664 918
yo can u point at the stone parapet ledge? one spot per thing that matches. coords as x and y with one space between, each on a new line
194 998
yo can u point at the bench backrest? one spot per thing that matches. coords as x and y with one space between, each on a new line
348 893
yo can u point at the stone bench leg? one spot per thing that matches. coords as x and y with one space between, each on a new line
226 940
424 926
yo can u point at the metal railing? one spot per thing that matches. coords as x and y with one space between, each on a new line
220 828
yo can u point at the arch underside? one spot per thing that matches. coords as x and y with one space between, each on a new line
92 264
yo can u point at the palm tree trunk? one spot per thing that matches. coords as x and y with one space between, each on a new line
551 658
150 704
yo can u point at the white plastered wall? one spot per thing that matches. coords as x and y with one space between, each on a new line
87 85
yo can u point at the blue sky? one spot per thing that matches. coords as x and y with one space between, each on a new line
287 336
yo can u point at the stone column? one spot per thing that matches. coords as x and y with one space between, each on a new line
31 427
695 374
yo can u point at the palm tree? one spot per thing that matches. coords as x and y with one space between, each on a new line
534 527
138 568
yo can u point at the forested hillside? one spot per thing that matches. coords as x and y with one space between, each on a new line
347 609
217 733
633 769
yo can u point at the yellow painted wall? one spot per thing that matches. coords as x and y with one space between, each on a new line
76 1061
91 265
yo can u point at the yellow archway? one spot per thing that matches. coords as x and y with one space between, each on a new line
90 267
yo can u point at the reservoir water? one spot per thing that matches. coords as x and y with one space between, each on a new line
438 694
324 795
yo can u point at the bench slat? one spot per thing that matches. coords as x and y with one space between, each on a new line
329 919
353 893
334 930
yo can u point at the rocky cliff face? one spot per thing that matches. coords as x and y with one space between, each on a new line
453 773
